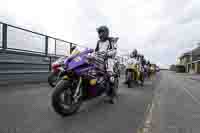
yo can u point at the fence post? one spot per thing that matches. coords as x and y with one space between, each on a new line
46 45
70 48
50 61
55 46
4 41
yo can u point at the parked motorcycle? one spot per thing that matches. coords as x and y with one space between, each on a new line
133 75
58 69
152 71
141 74
85 77
116 68
146 72
56 72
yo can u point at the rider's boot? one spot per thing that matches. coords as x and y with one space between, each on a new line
111 93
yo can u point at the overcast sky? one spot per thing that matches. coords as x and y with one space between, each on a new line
160 29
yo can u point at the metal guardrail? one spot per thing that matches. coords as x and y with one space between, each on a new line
1 35
13 38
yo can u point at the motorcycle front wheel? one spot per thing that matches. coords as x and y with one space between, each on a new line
62 99
142 79
130 80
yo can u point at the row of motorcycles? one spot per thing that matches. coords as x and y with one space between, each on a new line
83 76
80 77
135 74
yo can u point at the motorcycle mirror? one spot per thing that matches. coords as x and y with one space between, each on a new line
115 39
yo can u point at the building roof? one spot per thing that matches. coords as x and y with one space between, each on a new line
196 51
185 54
196 54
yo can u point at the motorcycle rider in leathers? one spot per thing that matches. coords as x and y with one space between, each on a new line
106 44
133 57
132 60
142 66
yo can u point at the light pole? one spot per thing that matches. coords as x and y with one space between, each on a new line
192 60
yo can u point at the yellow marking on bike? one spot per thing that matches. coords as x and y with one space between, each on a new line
131 66
140 130
93 82
65 77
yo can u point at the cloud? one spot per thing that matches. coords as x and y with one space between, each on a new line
160 29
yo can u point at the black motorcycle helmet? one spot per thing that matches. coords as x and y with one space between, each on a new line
138 56
142 56
134 53
103 33
148 63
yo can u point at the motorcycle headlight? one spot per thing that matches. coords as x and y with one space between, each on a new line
87 60
55 65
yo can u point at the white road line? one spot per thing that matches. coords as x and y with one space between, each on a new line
193 97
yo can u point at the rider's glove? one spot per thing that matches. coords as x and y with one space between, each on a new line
112 53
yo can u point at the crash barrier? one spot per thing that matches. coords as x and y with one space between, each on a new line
26 56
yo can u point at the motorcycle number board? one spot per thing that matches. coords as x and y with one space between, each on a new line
77 59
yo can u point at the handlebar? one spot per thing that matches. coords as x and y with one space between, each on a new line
103 52
99 55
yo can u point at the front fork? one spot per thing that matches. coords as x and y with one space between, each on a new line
58 77
110 86
78 91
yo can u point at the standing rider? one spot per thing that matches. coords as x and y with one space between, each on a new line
148 68
107 44
142 62
142 68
